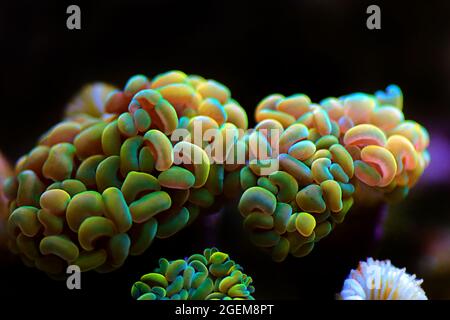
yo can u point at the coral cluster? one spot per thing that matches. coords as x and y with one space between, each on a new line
208 276
128 166
105 182
357 146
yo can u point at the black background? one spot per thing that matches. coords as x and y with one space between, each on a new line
321 48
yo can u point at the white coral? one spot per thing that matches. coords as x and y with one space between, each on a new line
380 280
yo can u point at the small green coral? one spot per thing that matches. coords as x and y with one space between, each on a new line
208 276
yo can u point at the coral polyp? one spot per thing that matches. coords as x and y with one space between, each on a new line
208 276
90 100
380 280
128 166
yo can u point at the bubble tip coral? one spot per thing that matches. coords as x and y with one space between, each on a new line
208 276
380 280
110 178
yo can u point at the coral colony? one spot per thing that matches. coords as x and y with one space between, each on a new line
127 166
5 172
208 276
